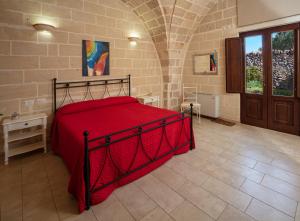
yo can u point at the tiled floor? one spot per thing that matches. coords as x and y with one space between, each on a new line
235 173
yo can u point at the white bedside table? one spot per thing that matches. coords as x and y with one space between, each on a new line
16 126
149 100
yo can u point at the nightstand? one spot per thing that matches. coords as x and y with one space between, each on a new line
22 128
149 100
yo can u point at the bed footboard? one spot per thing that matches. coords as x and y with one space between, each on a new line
163 122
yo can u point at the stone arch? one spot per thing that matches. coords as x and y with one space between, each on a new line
151 14
171 24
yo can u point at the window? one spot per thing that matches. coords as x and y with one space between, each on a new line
283 63
254 65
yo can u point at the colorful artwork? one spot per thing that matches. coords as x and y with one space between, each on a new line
95 58
213 63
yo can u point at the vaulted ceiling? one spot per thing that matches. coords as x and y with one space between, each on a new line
171 24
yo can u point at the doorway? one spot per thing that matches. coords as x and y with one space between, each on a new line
270 64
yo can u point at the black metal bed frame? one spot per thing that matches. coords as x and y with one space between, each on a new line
88 84
138 131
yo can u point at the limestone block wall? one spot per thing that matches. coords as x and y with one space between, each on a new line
218 24
171 24
186 17
30 59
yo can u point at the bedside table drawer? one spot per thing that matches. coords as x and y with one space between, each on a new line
25 124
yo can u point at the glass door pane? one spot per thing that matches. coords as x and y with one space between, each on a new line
283 63
254 64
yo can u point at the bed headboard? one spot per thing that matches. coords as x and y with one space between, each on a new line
87 84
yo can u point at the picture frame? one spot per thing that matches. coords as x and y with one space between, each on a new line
95 58
205 64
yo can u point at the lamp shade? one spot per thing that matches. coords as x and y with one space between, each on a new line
133 38
43 27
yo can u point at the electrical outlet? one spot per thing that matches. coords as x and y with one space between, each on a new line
28 21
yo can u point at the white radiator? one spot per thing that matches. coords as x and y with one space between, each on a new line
210 104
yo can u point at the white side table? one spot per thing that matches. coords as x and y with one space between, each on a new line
149 100
17 126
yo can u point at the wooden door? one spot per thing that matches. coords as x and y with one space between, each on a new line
283 104
270 96
254 107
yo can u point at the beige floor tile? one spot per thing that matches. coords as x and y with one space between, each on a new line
227 193
232 214
34 172
209 157
245 161
10 176
33 156
36 187
39 206
42 212
66 206
288 164
220 144
247 172
225 176
169 177
59 184
162 194
30 200
37 183
187 211
11 211
111 210
297 218
204 200
10 194
190 173
192 159
282 187
209 147
263 212
158 215
270 197
135 200
255 154
14 162
278 173
212 167
85 216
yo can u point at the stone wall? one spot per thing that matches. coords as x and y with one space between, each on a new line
171 24
30 59
218 24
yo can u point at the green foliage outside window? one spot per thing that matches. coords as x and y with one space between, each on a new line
254 80
283 40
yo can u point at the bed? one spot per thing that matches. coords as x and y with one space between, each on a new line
106 143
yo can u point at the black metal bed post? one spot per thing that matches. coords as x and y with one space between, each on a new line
129 85
86 171
54 94
191 128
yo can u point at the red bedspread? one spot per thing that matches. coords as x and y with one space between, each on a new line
102 117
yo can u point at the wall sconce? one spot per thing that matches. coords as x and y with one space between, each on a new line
43 27
133 40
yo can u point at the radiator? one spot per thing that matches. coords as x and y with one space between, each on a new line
210 104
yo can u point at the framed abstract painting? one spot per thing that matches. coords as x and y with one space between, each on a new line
95 58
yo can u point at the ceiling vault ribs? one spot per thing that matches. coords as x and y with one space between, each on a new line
171 24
